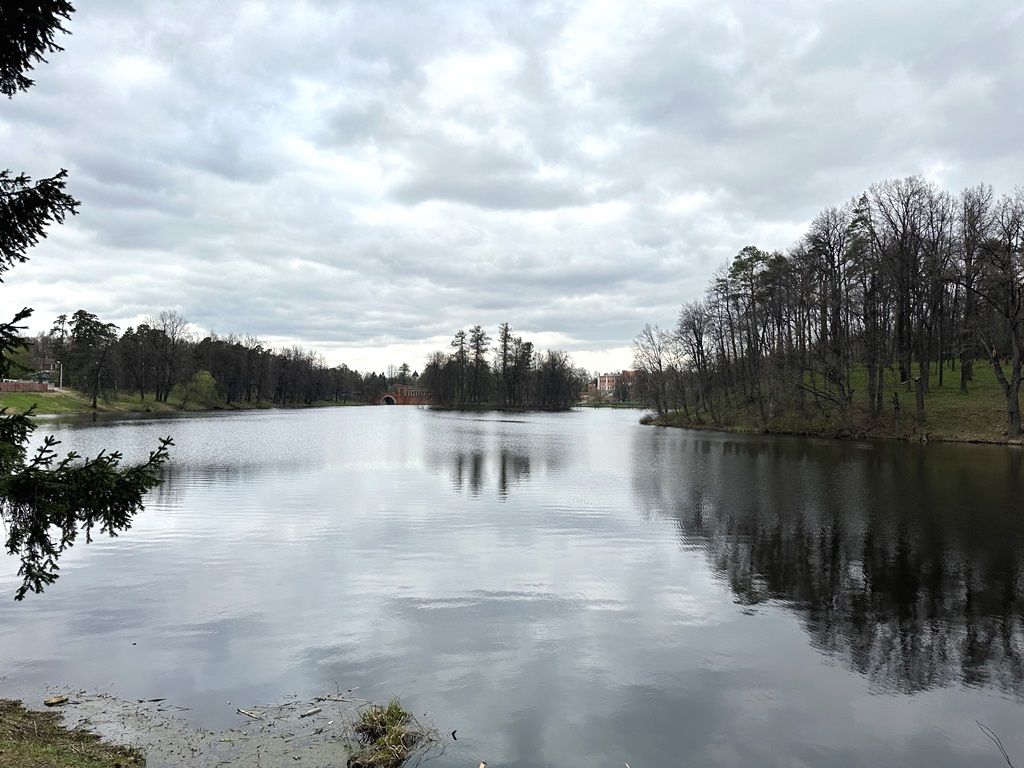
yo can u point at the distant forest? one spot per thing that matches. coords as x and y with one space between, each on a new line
520 377
881 300
162 360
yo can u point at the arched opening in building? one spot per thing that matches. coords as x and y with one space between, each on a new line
388 400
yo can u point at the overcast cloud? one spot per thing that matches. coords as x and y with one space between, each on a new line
364 178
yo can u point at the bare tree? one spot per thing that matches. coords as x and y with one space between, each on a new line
1001 286
650 359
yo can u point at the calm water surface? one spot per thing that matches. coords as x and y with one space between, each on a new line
571 589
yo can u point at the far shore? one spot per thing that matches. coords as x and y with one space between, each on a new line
495 408
68 402
949 425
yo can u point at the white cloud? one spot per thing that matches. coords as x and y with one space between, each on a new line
365 178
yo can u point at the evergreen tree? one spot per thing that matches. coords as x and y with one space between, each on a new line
479 343
47 501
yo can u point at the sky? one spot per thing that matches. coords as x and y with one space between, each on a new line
364 178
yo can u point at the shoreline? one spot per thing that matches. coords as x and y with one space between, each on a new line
80 728
858 433
493 408
31 736
68 402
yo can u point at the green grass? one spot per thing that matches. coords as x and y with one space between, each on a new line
979 415
38 740
45 402
69 401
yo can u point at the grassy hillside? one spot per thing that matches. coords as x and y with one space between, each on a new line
69 401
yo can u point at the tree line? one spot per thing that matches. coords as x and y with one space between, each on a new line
162 360
882 297
515 376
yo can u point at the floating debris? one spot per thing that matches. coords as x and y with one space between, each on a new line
273 735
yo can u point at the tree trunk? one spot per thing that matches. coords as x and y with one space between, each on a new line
966 369
1013 411
872 388
1010 387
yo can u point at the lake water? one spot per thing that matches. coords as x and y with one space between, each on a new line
563 589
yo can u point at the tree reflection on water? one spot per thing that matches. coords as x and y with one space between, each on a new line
904 561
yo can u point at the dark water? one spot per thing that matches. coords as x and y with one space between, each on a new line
572 590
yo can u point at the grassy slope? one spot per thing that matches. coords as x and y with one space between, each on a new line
977 416
70 401
37 740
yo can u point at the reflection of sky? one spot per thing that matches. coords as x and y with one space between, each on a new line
567 619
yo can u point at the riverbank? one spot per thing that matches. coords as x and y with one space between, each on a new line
810 429
68 401
978 416
30 739
85 730
878 429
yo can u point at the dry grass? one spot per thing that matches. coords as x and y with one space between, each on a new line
37 740
389 736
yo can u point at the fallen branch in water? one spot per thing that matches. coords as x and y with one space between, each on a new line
995 740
